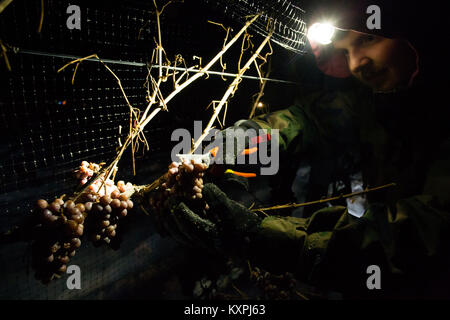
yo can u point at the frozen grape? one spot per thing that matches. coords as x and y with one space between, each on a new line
105 200
107 209
42 204
55 207
115 203
123 197
54 248
64 259
121 186
123 204
79 218
80 229
46 215
130 204
90 197
124 213
71 226
73 211
97 207
88 206
105 223
69 204
62 269
75 243
115 194
80 207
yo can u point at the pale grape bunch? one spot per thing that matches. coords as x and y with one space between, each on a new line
61 224
58 231
110 203
105 216
86 171
275 286
183 179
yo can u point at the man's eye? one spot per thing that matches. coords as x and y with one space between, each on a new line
367 39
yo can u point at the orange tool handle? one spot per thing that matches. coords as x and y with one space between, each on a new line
241 174
249 151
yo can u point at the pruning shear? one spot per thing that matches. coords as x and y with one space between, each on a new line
206 158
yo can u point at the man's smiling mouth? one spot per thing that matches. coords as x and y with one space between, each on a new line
374 78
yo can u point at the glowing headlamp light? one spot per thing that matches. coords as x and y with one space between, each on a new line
321 33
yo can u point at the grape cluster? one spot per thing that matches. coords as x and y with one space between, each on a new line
58 232
101 187
86 171
183 179
59 225
275 287
107 203
105 214
219 287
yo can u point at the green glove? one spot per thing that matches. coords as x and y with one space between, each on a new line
224 229
231 217
188 228
276 243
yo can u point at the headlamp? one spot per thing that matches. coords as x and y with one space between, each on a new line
321 33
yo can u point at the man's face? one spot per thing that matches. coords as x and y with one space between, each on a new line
381 63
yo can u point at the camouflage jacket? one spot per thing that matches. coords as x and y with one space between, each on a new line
404 230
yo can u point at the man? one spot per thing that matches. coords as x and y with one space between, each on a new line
380 133
381 63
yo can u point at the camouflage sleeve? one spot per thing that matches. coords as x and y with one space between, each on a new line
316 119
333 249
291 123
409 243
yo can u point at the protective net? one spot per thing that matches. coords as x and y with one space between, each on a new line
51 125
287 17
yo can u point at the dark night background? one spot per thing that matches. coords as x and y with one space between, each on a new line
43 141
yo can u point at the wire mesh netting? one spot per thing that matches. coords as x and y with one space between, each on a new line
289 27
51 125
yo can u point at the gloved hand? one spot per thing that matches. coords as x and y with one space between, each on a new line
235 149
228 228
221 229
